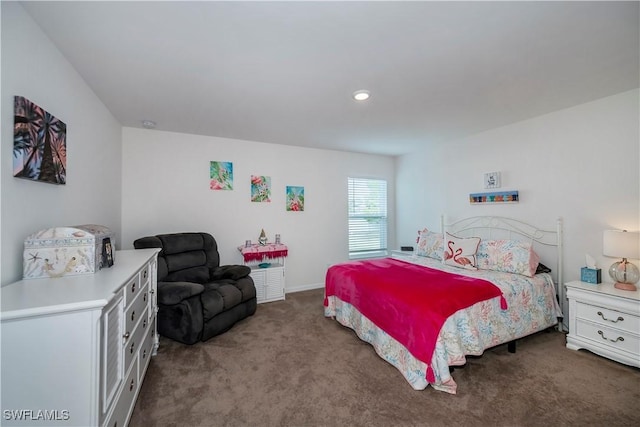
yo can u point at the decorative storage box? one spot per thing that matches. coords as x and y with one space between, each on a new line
66 251
591 275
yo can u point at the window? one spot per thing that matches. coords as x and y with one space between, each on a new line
367 217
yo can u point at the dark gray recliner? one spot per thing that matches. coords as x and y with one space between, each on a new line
198 298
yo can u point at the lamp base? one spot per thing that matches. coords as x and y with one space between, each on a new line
625 286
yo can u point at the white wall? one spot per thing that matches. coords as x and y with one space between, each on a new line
34 68
580 164
166 189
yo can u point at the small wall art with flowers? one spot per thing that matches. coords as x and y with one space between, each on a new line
260 188
295 198
221 175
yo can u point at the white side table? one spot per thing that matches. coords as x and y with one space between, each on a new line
269 280
398 254
604 320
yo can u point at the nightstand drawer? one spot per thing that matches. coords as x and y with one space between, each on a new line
607 336
608 318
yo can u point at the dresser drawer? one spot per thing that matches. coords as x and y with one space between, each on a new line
145 351
608 336
133 344
118 417
135 309
609 318
144 274
132 289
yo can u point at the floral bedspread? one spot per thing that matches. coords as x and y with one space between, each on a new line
532 308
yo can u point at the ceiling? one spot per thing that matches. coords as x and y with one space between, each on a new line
284 72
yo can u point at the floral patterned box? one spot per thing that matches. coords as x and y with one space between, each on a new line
65 251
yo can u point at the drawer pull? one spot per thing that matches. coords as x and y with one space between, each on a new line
609 339
619 319
144 353
133 287
131 385
145 274
144 297
133 345
126 336
133 315
144 323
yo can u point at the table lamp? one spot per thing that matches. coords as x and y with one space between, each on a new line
622 244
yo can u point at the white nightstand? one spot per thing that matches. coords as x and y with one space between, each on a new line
269 282
401 254
604 320
269 279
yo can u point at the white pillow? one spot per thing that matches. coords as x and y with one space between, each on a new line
461 251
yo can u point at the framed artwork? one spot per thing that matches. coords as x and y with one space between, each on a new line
39 144
221 175
295 198
260 188
107 252
492 180
495 197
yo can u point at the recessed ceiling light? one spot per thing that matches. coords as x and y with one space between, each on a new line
148 124
361 95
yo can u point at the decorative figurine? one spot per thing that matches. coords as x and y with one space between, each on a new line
262 240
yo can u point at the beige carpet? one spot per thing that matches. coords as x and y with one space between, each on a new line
288 365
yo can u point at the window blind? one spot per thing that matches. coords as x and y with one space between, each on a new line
367 217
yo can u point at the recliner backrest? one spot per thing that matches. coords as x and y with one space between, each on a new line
185 257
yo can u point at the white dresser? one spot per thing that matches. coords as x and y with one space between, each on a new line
75 349
604 320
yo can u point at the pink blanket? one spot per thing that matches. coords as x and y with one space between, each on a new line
409 302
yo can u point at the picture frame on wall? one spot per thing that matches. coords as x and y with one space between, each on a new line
494 197
220 175
295 198
39 144
260 188
492 180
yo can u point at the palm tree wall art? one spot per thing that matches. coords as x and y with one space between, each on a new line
39 144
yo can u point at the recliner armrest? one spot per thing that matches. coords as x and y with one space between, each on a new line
171 293
233 272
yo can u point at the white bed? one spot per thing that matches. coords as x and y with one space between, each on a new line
532 305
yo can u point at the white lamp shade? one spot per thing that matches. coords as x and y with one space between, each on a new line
621 244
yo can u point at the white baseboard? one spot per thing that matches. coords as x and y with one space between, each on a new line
304 287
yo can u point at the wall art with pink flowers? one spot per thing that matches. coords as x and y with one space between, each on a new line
295 198
260 188
221 175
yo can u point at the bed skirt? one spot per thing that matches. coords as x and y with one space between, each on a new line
468 332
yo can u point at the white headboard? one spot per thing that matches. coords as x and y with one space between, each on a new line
547 243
